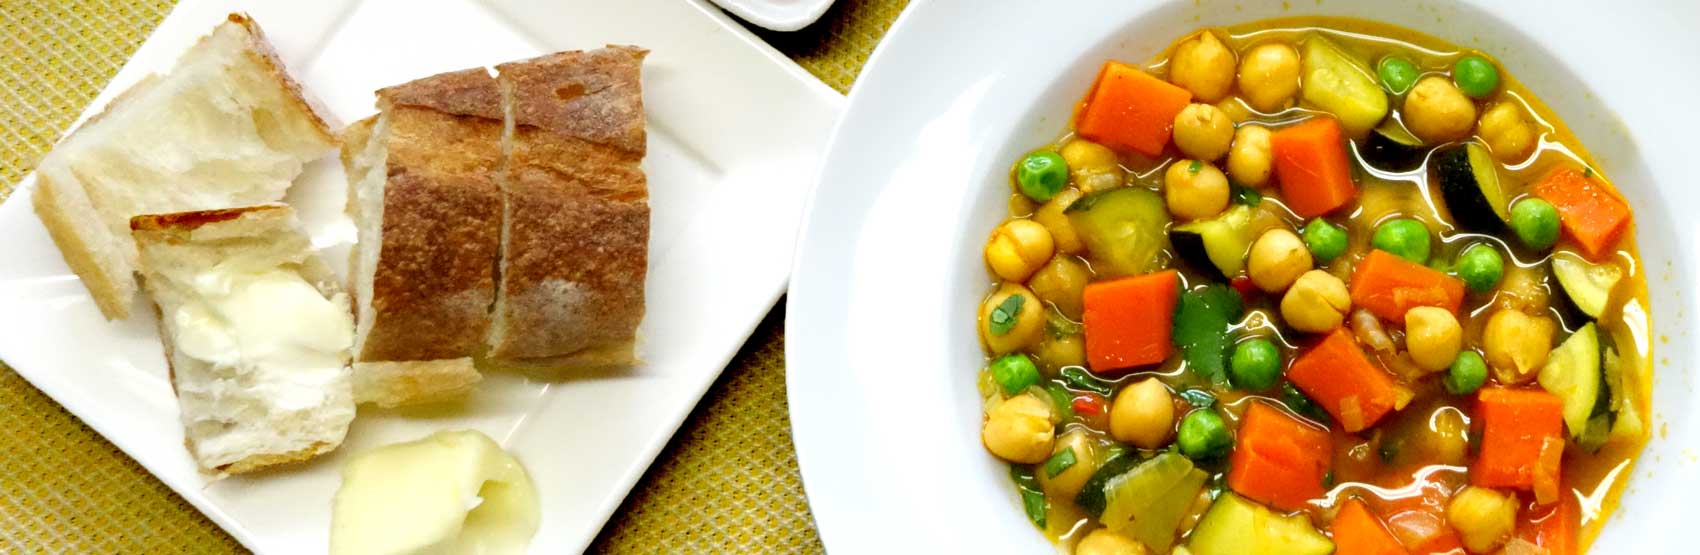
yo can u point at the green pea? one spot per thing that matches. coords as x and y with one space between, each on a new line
1256 364
1475 76
1404 237
1467 373
1480 266
1203 435
1015 373
1535 222
1041 174
1397 74
1326 241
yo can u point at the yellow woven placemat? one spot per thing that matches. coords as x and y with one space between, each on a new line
727 483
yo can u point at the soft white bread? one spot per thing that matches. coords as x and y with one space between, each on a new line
576 228
226 127
256 333
424 197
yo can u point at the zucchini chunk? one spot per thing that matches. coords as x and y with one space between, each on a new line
1572 372
1469 182
1588 285
1218 246
1392 148
1122 229
1341 85
1235 526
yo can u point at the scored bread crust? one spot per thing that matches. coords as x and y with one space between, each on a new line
575 249
181 227
433 283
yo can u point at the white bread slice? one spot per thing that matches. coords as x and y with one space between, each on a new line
256 333
575 238
424 198
226 127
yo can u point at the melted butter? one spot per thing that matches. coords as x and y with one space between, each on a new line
453 492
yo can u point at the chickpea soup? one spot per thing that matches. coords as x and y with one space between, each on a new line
1313 286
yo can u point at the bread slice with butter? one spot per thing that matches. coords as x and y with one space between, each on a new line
225 127
256 332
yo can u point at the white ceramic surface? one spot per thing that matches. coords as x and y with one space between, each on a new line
778 15
880 339
734 133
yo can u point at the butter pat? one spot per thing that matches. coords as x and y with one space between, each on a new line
454 492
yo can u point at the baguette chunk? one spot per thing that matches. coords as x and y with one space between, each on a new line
576 228
226 127
256 333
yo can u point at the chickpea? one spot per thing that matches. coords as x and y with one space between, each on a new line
1436 111
1433 337
1509 135
1203 132
1445 437
1317 302
1277 259
1516 344
1483 517
1250 158
1062 283
1025 331
1069 482
1195 190
1093 166
1018 248
1055 353
1203 65
1269 76
1105 541
1021 429
1143 414
1052 216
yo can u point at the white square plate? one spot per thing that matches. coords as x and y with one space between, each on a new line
734 132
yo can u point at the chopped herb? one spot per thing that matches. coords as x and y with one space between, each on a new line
1031 497
1587 172
1061 400
1004 316
1389 450
1195 166
1328 480
1080 379
1202 322
1198 398
1059 462
1296 401
1247 196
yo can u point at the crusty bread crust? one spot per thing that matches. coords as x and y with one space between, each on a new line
260 50
394 384
433 284
577 225
70 232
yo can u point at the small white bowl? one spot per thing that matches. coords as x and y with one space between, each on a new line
881 347
777 15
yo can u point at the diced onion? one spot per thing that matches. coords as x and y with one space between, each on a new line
1368 330
1352 413
1546 471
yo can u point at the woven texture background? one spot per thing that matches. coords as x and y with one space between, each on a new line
727 483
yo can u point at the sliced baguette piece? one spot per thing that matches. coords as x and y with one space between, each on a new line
226 127
425 199
576 227
256 333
